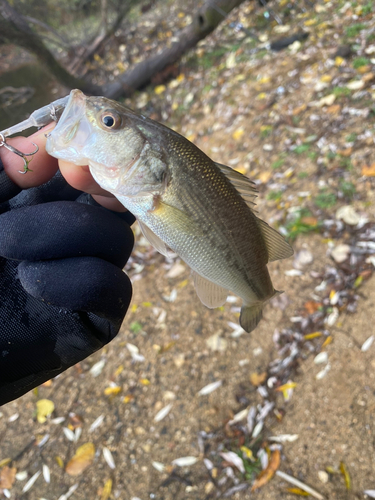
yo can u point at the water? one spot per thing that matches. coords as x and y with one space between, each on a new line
42 89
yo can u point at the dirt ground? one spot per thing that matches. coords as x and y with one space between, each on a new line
255 114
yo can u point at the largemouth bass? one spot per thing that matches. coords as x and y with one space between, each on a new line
182 199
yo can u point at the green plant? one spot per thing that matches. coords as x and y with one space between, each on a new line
354 29
367 9
351 137
347 188
277 163
302 148
302 175
265 131
341 91
301 222
325 200
135 327
360 61
274 195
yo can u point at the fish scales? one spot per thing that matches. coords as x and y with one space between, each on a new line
182 199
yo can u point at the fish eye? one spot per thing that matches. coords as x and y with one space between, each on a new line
110 120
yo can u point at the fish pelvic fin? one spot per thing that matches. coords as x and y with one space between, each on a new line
251 314
210 294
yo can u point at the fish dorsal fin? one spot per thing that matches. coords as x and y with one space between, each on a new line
277 247
244 186
211 295
154 240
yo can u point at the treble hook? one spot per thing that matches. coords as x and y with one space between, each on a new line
19 153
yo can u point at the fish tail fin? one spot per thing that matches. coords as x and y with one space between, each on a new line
251 314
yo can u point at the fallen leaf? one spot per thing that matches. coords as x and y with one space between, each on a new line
297 491
345 473
312 306
160 89
334 109
267 473
112 391
107 489
44 408
314 335
369 171
237 134
258 378
7 477
299 109
83 457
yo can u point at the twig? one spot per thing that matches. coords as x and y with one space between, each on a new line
299 484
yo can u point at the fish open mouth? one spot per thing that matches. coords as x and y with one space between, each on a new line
68 138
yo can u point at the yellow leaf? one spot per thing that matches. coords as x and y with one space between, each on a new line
297 491
285 387
326 78
119 370
5 461
258 378
267 473
369 171
160 89
345 473
310 22
314 335
174 106
44 408
183 283
358 281
262 95
112 391
128 398
339 61
248 453
264 79
7 477
145 381
83 457
327 341
106 490
265 176
237 134
133 308
59 461
146 304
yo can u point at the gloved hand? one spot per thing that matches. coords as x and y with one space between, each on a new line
63 294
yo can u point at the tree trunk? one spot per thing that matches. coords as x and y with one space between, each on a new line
14 29
212 13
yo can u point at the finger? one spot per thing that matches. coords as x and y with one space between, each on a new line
82 283
80 178
43 167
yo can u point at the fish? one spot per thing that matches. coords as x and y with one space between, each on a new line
183 200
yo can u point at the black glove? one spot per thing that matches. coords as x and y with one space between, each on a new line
63 294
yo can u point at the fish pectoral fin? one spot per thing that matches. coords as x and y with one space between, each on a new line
277 247
210 294
243 185
177 218
154 240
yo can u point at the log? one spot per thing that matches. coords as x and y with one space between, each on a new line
212 13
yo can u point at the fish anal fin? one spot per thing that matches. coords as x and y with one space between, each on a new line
154 240
245 187
210 294
277 247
